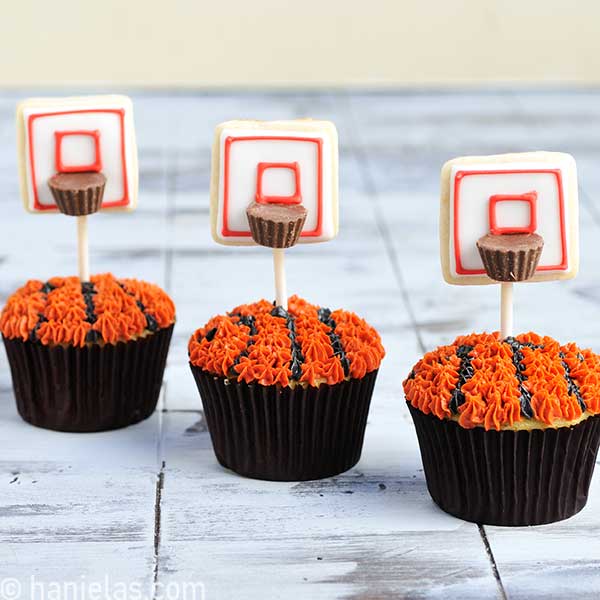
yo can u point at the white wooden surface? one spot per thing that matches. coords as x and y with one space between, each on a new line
149 504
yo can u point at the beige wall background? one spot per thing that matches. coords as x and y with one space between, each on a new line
298 43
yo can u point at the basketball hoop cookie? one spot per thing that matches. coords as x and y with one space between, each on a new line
77 155
522 195
282 176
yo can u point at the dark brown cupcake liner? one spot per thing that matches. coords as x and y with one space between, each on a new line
286 434
513 478
93 388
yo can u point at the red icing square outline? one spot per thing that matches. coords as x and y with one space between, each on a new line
61 167
530 198
230 140
120 112
460 175
295 198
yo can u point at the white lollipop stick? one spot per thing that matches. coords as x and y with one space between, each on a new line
506 310
280 283
83 253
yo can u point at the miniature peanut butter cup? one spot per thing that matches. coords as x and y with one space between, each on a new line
511 256
276 225
78 194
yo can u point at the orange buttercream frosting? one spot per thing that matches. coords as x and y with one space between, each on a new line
307 344
65 311
481 380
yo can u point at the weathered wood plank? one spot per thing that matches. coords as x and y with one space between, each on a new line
374 529
372 532
76 507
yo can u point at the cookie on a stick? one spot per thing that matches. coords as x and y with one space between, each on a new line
77 156
275 184
509 218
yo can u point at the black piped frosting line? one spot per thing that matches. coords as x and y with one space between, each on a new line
517 348
465 372
338 350
151 324
250 322
297 357
210 335
45 289
88 291
572 387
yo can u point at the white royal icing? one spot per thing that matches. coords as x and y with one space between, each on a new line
243 159
116 144
472 214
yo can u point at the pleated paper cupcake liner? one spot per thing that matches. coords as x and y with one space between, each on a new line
514 478
276 235
286 434
514 265
93 388
80 202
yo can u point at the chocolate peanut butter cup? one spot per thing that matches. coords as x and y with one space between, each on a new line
276 225
510 257
78 194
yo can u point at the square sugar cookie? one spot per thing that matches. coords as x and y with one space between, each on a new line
532 192
68 135
277 161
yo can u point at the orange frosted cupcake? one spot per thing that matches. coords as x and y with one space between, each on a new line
286 393
87 356
508 429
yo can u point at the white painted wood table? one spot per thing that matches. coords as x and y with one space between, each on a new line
148 508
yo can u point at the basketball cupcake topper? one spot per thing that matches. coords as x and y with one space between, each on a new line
77 156
274 184
509 218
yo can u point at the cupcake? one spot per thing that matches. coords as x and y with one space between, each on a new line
286 394
508 428
87 356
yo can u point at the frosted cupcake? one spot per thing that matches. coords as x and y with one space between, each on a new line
508 429
87 356
286 394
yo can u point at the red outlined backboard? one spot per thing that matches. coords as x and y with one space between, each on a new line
278 161
77 151
532 192
510 220
268 192
74 135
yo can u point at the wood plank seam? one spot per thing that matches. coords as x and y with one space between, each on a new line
160 483
170 210
490 554
371 189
